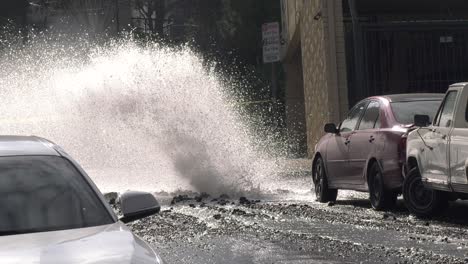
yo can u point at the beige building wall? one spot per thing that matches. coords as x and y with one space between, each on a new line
292 65
315 27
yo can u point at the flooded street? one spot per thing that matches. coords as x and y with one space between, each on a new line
158 135
202 122
293 228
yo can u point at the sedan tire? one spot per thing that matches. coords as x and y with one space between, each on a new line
380 197
422 201
323 194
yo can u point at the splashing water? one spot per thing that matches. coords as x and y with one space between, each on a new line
135 117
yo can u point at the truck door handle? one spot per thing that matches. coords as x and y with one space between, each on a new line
371 139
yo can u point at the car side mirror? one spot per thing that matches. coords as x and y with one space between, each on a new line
137 205
331 128
422 120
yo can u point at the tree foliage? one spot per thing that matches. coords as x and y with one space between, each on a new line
13 13
230 32
233 27
12 8
153 12
94 15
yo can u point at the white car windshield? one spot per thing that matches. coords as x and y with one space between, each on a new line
46 193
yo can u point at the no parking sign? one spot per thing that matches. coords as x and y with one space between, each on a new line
271 42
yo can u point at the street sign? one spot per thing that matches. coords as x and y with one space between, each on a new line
271 42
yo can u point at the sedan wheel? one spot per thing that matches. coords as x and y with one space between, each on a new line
322 193
380 197
422 201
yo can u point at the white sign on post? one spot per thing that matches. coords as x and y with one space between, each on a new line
271 42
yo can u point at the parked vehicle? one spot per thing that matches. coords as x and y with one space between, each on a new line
367 151
51 212
438 156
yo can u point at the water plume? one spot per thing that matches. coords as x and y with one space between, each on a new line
135 116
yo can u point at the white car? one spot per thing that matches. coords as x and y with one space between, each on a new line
437 156
51 212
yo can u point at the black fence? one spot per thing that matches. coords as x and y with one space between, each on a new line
407 57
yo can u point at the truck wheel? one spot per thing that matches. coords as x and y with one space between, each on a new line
323 194
422 201
380 197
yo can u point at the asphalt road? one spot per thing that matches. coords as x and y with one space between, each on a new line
279 229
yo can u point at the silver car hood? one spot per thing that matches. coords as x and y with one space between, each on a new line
113 243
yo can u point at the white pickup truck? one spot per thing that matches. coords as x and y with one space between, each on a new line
437 156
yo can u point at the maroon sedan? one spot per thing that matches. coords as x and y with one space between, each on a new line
366 152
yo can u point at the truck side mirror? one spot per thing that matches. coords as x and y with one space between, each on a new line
422 120
330 128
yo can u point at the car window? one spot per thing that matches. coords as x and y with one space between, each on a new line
371 116
377 122
445 116
45 193
466 112
349 124
404 112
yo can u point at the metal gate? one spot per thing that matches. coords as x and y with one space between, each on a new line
412 57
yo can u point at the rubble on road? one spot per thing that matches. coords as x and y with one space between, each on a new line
111 197
193 217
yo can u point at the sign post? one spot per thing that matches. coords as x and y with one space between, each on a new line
271 51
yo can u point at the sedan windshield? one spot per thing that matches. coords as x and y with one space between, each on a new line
45 193
405 111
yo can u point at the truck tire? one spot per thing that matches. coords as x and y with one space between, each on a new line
380 197
421 201
323 194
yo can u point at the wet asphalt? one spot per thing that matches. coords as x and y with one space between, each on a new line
276 230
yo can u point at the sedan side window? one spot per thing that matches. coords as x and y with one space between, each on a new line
377 123
370 119
466 112
349 124
445 116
